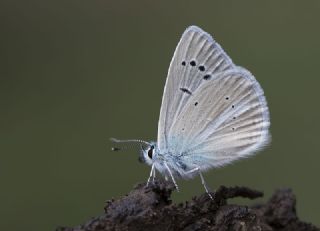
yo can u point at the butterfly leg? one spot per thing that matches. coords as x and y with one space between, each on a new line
174 182
151 174
204 184
154 174
202 180
192 170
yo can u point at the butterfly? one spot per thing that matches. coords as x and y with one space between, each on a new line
213 112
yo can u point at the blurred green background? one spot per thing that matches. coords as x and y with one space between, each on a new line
74 73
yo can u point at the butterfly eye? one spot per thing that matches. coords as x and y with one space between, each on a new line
150 152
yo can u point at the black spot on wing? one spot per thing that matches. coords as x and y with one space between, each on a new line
201 68
207 77
185 90
183 63
193 63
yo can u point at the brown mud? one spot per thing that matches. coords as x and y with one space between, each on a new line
150 208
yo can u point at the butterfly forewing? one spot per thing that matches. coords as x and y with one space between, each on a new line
196 60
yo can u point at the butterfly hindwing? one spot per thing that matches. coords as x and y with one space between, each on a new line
225 119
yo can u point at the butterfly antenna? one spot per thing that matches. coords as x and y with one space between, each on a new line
127 141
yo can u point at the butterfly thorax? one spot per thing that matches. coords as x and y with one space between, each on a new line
164 160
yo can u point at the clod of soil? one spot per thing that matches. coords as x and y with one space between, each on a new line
150 208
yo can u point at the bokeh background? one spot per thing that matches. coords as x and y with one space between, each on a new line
75 73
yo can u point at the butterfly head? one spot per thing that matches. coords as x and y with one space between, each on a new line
148 154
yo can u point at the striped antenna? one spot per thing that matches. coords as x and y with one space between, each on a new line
127 141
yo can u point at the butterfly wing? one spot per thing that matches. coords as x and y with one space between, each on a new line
225 119
196 59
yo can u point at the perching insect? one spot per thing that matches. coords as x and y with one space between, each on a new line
213 112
